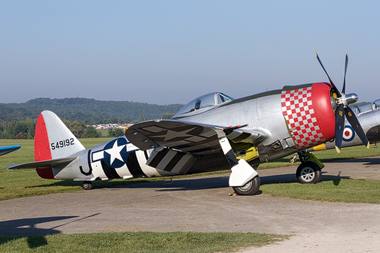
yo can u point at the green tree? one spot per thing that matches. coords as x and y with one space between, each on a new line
91 132
115 132
77 128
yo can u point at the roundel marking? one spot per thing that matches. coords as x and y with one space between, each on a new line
115 153
348 134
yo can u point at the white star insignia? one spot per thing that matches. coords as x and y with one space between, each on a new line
115 152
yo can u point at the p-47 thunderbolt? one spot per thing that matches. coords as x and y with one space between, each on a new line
212 132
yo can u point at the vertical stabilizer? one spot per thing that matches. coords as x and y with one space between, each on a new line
53 139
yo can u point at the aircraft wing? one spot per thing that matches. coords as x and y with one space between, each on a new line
8 149
195 138
43 164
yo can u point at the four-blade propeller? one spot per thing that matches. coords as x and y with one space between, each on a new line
342 100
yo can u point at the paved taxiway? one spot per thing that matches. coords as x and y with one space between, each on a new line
202 204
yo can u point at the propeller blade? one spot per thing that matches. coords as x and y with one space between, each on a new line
339 127
345 71
354 122
336 90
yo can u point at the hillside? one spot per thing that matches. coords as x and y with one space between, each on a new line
84 109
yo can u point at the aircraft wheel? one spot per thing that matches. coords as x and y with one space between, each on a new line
87 185
250 188
308 173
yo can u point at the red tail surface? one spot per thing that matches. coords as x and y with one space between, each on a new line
42 150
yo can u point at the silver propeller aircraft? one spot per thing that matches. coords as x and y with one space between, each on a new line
369 118
212 132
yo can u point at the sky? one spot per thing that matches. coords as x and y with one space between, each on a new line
166 52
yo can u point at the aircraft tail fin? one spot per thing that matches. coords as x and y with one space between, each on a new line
53 140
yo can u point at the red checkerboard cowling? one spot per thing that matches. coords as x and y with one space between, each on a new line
298 110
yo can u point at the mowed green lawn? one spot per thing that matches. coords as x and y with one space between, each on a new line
138 242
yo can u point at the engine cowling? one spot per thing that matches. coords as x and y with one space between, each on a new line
309 113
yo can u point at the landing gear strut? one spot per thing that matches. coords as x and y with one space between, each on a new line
250 188
87 185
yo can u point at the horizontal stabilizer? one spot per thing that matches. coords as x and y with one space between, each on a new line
43 164
8 149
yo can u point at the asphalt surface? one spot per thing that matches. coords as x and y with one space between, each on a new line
203 204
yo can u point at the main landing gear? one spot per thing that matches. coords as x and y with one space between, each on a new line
87 185
250 188
309 171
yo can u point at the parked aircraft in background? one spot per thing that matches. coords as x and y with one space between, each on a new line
8 149
369 118
212 132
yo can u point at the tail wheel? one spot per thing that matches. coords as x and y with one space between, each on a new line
309 173
87 185
250 188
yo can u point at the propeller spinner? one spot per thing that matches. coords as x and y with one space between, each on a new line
342 110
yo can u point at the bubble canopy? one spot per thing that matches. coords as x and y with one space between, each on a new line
202 104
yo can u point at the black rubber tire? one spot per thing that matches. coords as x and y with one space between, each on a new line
87 185
250 188
309 173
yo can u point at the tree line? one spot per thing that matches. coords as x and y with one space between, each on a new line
25 129
90 111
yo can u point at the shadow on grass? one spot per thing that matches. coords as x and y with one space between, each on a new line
180 183
364 161
96 184
164 184
16 229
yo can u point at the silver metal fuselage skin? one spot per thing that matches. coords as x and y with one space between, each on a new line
263 112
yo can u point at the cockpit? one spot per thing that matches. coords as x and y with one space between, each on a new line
202 104
367 107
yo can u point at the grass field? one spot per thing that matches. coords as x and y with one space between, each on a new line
138 242
22 183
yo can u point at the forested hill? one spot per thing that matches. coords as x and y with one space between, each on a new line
87 110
